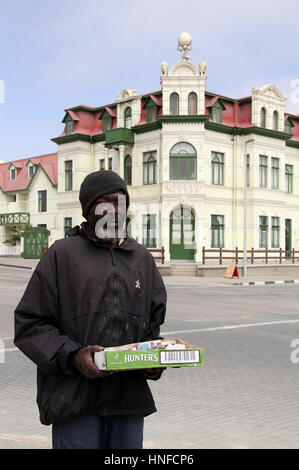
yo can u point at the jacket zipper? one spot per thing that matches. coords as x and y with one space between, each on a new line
113 293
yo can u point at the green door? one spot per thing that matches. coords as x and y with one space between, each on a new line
181 234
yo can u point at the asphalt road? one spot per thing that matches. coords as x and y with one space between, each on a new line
245 395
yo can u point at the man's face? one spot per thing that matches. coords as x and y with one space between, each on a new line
107 216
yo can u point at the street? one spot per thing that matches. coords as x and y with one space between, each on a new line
245 395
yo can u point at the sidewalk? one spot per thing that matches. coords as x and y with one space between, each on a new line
30 264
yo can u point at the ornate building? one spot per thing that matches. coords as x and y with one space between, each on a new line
186 155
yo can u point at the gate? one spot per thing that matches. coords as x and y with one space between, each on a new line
35 242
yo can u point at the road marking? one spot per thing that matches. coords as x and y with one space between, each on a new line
230 327
7 279
8 350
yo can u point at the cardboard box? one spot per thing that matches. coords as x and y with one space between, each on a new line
125 358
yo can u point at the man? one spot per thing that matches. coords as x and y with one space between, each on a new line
95 288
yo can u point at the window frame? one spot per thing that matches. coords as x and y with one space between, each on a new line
275 120
149 161
219 165
69 125
190 96
65 227
263 117
289 178
263 228
151 107
176 105
149 242
217 112
40 200
128 168
128 116
274 173
68 175
217 227
263 171
13 171
275 232
175 162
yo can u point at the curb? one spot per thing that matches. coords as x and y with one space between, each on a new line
265 283
16 266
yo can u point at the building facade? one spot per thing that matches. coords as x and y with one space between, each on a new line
186 155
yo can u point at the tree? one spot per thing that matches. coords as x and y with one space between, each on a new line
16 235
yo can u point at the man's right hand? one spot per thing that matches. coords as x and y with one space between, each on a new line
83 361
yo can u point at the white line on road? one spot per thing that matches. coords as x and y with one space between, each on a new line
231 327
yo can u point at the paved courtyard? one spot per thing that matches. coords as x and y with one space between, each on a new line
245 395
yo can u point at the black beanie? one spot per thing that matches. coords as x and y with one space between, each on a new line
98 184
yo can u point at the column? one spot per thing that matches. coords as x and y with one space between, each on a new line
121 150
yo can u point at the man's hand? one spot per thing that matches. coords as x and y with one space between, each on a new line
83 361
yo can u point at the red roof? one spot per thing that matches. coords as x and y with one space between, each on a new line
49 163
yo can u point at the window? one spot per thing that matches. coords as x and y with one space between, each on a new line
68 174
69 125
217 168
30 170
128 170
42 200
217 231
275 121
248 171
263 117
183 161
149 234
263 171
128 118
263 229
42 225
217 112
288 126
67 224
274 173
289 178
102 164
151 113
192 103
275 232
106 121
149 168
110 163
128 227
13 174
174 103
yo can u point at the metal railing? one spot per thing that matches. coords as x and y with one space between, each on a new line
263 254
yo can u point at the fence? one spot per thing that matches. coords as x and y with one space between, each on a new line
6 250
237 255
159 250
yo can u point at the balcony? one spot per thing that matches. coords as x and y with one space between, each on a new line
15 218
120 136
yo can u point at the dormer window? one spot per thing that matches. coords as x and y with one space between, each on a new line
69 125
106 121
263 117
30 170
13 173
217 112
288 126
151 112
174 103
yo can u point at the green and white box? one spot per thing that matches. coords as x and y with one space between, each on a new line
126 359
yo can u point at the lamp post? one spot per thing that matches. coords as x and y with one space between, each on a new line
245 209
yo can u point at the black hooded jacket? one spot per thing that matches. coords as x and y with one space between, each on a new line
81 294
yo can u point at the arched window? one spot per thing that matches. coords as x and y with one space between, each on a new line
275 120
183 161
128 117
263 117
149 168
174 103
128 170
192 103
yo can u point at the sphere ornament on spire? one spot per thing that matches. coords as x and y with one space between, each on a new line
184 45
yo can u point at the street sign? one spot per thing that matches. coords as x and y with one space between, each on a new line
231 271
